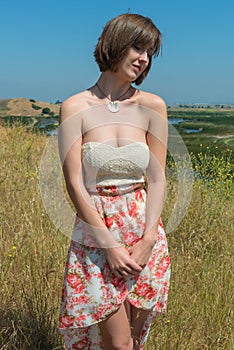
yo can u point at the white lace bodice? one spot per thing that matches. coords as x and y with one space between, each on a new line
105 165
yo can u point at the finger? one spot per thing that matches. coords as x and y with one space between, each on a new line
143 265
123 273
134 273
117 274
134 266
130 250
126 268
128 272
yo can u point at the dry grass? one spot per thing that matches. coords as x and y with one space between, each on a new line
23 107
33 255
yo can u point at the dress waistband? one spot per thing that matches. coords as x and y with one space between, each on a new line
119 190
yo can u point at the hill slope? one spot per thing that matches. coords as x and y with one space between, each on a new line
25 107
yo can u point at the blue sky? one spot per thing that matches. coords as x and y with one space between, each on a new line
47 48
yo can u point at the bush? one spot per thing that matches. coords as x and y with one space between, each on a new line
46 110
35 106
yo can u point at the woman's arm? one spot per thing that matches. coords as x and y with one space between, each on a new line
70 142
156 137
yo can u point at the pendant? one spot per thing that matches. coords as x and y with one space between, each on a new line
113 106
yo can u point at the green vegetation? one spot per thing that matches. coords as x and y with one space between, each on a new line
17 121
35 106
217 129
46 110
33 254
215 126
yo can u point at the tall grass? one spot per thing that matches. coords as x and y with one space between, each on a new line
33 254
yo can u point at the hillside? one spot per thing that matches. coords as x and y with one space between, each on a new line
25 107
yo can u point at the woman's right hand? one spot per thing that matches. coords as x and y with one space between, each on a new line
121 263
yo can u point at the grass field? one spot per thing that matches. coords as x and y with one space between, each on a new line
33 253
216 129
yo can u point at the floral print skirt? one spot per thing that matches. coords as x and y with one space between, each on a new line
91 292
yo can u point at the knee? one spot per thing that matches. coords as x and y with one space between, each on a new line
122 344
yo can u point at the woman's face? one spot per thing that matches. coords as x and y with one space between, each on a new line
134 63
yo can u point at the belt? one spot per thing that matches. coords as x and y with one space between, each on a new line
113 191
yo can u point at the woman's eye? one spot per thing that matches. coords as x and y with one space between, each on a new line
142 50
137 48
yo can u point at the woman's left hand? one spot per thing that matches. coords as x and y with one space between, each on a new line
140 252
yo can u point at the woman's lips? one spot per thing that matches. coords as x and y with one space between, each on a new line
137 68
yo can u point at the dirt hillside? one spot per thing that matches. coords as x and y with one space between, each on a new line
25 107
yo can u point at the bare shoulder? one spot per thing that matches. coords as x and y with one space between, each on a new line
153 102
73 105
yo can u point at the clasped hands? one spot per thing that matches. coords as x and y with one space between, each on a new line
128 262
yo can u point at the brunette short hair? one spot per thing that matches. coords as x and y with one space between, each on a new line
120 34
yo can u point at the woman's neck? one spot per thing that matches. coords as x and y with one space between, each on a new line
111 86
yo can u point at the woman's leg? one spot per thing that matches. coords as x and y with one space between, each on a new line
127 306
138 318
115 331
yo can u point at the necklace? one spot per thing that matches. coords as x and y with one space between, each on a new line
113 106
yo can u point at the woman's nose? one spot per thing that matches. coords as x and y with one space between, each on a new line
144 55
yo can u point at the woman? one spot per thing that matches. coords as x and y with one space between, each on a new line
113 144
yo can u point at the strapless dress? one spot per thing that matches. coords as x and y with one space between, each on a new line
106 165
91 292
